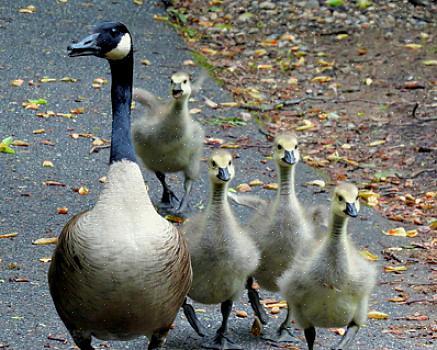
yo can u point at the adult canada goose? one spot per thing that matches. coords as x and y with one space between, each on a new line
222 253
330 286
168 140
119 270
279 227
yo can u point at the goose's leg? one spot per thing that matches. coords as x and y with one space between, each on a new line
81 340
310 336
253 295
348 337
220 340
187 187
194 322
158 338
168 199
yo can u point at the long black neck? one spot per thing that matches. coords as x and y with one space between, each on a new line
121 95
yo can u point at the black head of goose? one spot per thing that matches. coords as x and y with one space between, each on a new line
119 270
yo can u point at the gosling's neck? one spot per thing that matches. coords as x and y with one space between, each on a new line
181 105
338 227
121 97
218 198
286 183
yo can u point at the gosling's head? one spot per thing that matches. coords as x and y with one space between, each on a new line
220 167
180 85
345 200
110 40
285 151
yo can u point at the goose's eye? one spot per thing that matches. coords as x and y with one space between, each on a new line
340 198
113 31
214 164
230 162
279 147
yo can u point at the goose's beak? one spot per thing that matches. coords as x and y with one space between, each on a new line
177 91
86 47
223 174
289 157
351 210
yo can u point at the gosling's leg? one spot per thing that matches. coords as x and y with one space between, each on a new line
253 295
169 199
310 336
187 187
348 337
191 316
220 340
158 338
284 332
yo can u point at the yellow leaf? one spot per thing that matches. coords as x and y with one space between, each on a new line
324 63
68 80
293 81
342 36
103 179
397 299
260 52
318 183
38 131
243 188
20 143
256 182
208 51
307 124
9 235
413 46
47 80
412 233
47 164
145 62
45 241
241 313
229 146
83 190
368 255
395 268
174 218
399 232
229 104
17 82
321 79
376 315
271 186
265 66
138 2
28 9
430 62
376 143
368 81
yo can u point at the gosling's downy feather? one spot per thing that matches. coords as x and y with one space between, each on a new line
330 287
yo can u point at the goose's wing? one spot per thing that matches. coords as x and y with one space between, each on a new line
147 99
250 201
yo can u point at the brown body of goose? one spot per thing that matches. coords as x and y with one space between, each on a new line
119 270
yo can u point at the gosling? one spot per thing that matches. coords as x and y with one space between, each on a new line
168 140
330 287
222 253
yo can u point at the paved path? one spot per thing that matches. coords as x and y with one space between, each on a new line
34 46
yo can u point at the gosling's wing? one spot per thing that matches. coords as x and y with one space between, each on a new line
147 99
250 201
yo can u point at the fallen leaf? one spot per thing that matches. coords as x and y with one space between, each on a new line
256 182
321 79
376 143
79 110
342 36
214 141
339 331
430 62
47 164
45 241
28 9
376 315
256 328
9 235
230 146
400 299
412 233
38 131
395 268
17 82
174 218
243 188
45 259
145 62
271 186
307 125
228 104
195 110
399 232
210 103
413 46
53 183
318 183
68 80
368 255
241 313
47 80
20 143
103 179
4 145
275 310
62 210
83 190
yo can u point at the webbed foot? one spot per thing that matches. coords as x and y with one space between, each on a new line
280 335
221 342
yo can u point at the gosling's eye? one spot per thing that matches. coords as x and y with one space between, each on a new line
230 162
340 198
279 147
185 81
214 164
295 147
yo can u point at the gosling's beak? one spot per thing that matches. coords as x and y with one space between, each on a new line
86 47
289 157
223 174
351 210
177 90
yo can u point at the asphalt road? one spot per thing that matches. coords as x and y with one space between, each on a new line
33 46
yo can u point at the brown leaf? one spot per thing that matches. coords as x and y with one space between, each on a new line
62 210
45 241
241 313
53 183
9 235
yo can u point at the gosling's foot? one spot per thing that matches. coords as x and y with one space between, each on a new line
281 335
221 342
168 201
